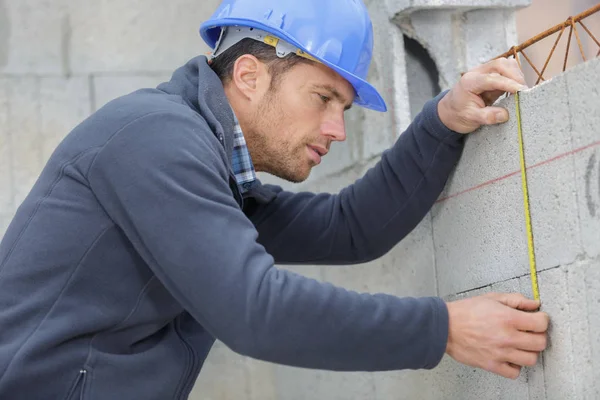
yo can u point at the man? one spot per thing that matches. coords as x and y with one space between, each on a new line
147 235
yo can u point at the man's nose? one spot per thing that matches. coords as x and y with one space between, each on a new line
334 128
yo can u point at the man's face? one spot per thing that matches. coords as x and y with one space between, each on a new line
296 121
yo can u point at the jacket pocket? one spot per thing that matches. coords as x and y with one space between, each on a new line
76 391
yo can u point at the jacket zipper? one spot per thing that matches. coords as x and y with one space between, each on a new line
78 385
83 374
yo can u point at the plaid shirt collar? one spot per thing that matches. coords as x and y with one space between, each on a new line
241 160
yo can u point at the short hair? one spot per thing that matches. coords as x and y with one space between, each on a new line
224 63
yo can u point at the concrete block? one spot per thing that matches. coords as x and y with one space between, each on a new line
509 286
223 376
592 286
491 154
534 376
581 317
480 165
405 6
399 101
587 167
108 87
407 270
5 219
457 381
406 385
551 179
64 103
421 85
154 36
559 368
468 294
583 98
480 237
545 121
261 380
426 27
500 30
482 232
553 206
34 37
305 384
382 129
6 182
24 126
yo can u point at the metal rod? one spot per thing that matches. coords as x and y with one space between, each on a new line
516 55
579 42
568 46
532 66
551 53
589 33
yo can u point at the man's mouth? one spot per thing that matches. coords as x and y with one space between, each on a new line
316 153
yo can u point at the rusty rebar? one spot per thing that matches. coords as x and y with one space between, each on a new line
516 56
552 30
589 33
532 66
541 77
568 47
578 41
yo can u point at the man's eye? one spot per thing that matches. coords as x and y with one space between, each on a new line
324 98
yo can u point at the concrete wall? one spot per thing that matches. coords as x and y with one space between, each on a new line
62 59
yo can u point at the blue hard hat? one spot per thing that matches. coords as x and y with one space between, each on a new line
337 33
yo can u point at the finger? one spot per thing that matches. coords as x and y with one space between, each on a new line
490 97
530 341
530 322
507 67
522 358
490 115
517 301
479 83
508 371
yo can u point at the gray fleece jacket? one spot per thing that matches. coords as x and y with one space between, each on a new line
135 250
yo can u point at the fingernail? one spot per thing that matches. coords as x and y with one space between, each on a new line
501 117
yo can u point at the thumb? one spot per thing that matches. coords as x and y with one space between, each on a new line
516 300
492 115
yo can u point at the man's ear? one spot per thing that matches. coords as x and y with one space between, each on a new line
250 76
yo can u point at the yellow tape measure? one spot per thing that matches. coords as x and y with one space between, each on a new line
532 266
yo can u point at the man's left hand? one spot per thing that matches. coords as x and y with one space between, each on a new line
467 106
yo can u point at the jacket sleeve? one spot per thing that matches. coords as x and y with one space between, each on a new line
163 181
366 219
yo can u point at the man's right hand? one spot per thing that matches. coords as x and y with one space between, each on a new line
497 332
